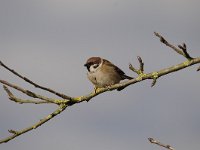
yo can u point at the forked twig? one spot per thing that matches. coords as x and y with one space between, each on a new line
181 51
141 67
184 49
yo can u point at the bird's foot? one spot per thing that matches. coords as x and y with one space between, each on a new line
96 89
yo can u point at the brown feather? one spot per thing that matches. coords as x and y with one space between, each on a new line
93 60
107 74
118 70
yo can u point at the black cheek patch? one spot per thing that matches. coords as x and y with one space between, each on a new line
88 68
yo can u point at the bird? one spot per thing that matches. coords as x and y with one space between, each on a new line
102 73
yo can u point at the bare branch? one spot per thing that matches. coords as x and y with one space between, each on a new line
36 85
29 93
22 101
141 68
13 131
181 51
154 82
160 144
141 64
184 49
36 125
183 46
69 101
162 39
133 69
140 71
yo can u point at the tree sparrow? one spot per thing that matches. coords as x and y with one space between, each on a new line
103 73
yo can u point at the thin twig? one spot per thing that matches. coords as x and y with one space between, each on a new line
133 69
141 68
22 101
181 51
36 125
141 64
13 131
154 82
184 49
163 40
33 83
151 140
29 93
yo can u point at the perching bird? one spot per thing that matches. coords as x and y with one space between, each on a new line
103 73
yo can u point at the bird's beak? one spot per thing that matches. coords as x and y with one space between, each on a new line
85 65
88 66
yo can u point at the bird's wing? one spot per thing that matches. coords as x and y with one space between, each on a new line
118 70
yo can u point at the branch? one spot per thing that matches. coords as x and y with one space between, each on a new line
69 101
141 69
33 83
181 51
36 125
151 140
21 101
28 93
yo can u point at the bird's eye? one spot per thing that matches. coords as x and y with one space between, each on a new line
95 65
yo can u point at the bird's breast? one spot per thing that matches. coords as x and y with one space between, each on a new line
104 78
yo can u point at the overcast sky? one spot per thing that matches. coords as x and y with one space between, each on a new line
48 41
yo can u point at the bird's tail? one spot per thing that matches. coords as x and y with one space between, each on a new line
124 77
127 77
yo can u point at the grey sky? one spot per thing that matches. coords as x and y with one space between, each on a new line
49 41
